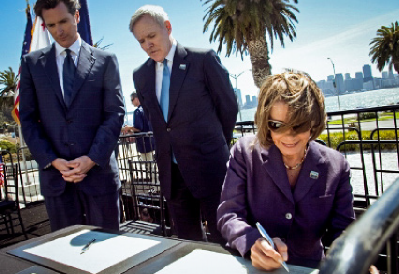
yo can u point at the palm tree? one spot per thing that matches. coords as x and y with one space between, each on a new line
385 47
98 43
243 24
9 81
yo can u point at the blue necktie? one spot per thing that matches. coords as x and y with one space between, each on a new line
68 76
165 96
164 101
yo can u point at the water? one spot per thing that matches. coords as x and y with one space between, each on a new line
372 98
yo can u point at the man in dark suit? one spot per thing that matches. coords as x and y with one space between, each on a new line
71 113
191 105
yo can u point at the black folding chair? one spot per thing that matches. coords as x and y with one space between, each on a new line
9 205
145 199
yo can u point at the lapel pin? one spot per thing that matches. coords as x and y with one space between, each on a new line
314 175
182 66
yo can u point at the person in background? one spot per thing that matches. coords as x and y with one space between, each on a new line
188 97
296 188
71 113
145 145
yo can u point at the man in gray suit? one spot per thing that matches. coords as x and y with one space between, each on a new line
188 97
71 113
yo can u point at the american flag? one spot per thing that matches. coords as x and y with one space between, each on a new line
1 175
84 23
36 37
25 50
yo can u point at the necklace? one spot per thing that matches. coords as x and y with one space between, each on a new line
298 164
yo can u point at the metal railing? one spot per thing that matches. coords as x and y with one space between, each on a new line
371 170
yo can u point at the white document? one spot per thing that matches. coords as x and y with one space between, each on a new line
203 261
107 250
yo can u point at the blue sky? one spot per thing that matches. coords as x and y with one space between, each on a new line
339 29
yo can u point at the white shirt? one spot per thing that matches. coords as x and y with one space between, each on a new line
159 69
60 55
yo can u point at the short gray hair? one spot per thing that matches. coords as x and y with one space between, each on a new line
156 12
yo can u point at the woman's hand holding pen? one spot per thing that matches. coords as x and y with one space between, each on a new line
264 256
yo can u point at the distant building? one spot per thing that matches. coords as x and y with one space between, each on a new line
254 101
367 76
247 99
239 98
330 77
359 75
347 76
384 74
340 83
390 76
357 84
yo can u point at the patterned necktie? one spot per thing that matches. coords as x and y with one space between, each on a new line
68 76
165 90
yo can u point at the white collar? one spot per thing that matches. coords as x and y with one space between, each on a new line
75 47
171 53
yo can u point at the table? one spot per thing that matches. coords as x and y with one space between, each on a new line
160 255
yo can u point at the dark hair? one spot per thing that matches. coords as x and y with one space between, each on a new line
304 99
134 95
72 6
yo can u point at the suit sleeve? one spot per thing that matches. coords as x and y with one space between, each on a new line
222 93
32 130
343 213
232 212
113 112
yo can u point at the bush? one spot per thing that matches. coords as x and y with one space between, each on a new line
337 137
368 115
7 145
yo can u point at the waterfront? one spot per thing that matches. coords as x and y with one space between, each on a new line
372 98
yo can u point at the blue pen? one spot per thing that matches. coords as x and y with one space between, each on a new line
264 234
86 247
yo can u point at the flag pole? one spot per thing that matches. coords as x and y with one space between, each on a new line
21 138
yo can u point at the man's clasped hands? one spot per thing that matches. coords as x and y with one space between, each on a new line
74 171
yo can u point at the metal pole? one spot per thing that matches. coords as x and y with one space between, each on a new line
235 76
22 144
335 84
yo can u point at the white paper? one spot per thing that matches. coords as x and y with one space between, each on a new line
107 250
208 262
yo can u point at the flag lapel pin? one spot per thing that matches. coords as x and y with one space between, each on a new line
182 66
314 175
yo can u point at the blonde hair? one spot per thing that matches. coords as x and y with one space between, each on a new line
304 99
155 12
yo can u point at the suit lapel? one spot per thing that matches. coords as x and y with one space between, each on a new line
179 71
311 172
273 165
85 63
49 63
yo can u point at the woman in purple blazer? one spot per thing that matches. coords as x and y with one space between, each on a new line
296 188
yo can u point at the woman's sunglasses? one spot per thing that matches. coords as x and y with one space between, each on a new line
278 126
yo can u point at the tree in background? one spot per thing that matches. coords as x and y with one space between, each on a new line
9 81
242 25
98 44
385 47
